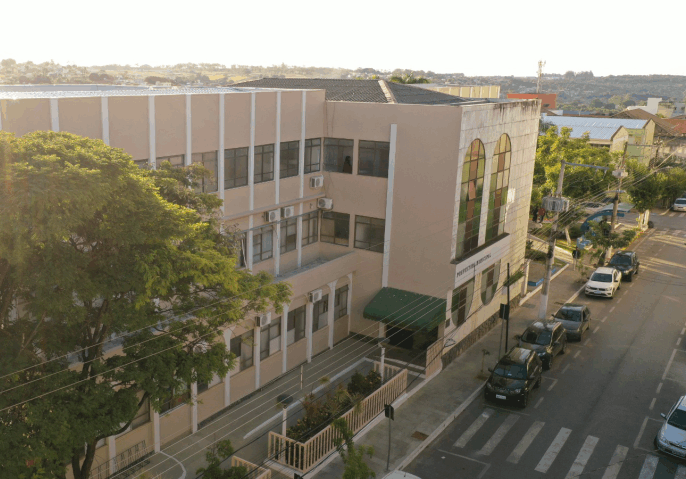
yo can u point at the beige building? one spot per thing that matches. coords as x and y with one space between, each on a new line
467 91
392 213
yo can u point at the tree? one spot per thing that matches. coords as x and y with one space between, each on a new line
674 184
569 75
408 78
8 63
603 240
596 103
92 248
609 106
215 456
352 456
646 188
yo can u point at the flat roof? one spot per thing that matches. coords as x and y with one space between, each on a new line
597 128
18 95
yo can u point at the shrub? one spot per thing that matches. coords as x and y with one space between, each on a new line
361 385
575 231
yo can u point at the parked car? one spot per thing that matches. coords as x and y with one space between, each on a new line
626 262
515 375
547 338
671 438
575 318
679 204
604 282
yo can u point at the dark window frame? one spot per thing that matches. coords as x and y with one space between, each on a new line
500 180
339 223
263 233
235 162
176 161
310 228
373 158
471 195
312 145
319 309
297 322
340 303
288 242
490 277
289 159
176 398
375 237
210 160
243 347
273 331
335 152
461 305
264 156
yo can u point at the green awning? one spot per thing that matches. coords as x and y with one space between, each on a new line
407 310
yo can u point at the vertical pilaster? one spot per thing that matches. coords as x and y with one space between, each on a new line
189 136
257 338
151 132
350 301
220 151
276 245
277 150
248 240
156 430
389 207
284 339
308 329
105 119
330 319
194 408
299 235
301 149
112 453
227 378
251 154
54 114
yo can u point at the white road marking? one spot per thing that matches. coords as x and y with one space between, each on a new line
565 369
680 472
498 435
576 354
603 320
596 329
640 432
659 386
483 471
671 214
652 404
538 403
526 441
678 341
471 430
618 457
554 449
552 385
683 330
583 457
669 364
183 469
649 466
587 341
612 308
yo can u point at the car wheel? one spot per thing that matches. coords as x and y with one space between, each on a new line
549 363
630 278
564 348
538 383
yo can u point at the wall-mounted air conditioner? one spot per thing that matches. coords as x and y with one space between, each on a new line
325 203
316 181
271 216
315 296
287 211
262 320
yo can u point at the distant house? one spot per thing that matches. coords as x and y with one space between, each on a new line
670 134
548 100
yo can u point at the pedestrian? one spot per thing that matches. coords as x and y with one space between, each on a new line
347 165
541 214
535 215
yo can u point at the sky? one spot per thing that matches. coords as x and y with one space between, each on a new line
475 38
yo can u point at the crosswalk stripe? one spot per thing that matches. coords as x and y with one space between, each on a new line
680 472
526 441
498 435
672 214
618 457
583 457
649 466
682 215
554 449
471 430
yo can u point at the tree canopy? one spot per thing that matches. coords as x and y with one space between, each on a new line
93 249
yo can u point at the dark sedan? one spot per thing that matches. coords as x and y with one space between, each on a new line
626 262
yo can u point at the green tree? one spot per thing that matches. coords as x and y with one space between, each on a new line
645 188
604 241
674 184
408 78
352 455
215 456
93 248
596 103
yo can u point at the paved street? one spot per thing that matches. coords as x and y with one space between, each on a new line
598 408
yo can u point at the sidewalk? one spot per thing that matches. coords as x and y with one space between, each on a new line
422 416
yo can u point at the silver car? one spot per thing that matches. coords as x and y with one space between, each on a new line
679 205
671 438
576 319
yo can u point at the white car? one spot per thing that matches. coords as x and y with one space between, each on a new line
604 282
679 205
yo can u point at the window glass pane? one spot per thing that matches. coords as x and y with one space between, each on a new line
335 228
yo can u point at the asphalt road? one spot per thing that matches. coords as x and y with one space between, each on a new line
598 409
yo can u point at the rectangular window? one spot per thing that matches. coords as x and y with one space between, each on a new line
313 150
262 247
143 164
338 155
310 228
208 184
289 234
242 347
373 158
369 233
335 228
320 313
289 158
296 325
176 161
176 397
264 163
340 302
270 338
235 168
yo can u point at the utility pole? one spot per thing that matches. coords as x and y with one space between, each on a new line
541 64
552 203
620 173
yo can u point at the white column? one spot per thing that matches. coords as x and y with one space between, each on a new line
382 330
194 408
156 430
248 245
227 378
329 317
284 339
105 118
251 154
277 150
54 115
448 308
276 245
151 131
389 207
301 150
256 355
220 152
350 300
308 329
299 236
189 137
112 453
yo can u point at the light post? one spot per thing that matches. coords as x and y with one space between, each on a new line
382 343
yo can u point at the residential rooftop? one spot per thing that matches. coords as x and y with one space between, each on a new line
597 128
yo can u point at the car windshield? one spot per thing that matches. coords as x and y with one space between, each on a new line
602 277
508 370
623 260
569 314
541 338
681 201
678 419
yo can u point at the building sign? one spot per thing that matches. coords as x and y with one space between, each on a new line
475 264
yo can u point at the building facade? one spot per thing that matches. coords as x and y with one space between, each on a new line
345 200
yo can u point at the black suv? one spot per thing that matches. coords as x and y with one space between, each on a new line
515 375
626 262
547 338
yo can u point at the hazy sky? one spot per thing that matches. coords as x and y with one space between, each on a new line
497 37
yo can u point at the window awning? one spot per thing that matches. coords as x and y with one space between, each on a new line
407 310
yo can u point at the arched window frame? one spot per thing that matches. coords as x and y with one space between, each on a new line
490 277
500 180
462 303
471 194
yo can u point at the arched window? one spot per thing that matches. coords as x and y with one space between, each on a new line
489 282
500 178
462 302
471 192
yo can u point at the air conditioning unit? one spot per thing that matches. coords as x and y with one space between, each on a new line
271 216
316 181
314 296
325 203
262 320
287 211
